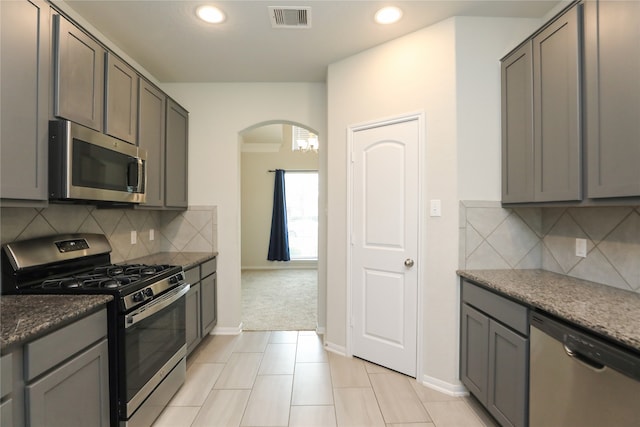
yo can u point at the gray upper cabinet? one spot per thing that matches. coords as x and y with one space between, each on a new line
517 126
25 74
79 75
556 103
541 115
151 137
177 134
612 98
121 118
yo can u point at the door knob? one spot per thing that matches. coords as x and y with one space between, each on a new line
408 262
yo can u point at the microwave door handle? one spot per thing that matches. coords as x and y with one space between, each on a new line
134 172
155 306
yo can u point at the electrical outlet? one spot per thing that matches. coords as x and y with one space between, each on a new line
134 237
152 234
581 248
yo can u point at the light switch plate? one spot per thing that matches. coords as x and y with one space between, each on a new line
134 237
435 208
581 248
152 234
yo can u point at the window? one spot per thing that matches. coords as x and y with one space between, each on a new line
302 214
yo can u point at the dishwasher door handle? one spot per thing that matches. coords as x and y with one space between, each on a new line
588 362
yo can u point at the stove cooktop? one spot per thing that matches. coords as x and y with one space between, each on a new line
107 277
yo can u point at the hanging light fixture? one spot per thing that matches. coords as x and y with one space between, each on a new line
304 141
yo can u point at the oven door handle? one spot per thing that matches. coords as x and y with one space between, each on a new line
157 305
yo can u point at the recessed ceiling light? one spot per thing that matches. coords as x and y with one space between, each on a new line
388 15
210 14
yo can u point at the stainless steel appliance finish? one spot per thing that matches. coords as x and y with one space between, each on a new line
577 379
91 166
147 319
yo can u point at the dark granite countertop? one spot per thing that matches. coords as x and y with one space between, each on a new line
608 311
24 318
185 259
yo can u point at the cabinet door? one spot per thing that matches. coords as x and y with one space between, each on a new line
208 289
121 119
151 128
193 319
556 100
6 389
474 352
612 97
74 394
25 70
176 156
79 75
508 372
517 126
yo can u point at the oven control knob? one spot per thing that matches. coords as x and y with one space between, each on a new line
175 279
137 297
148 292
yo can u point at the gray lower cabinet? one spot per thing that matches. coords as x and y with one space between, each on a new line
121 104
74 394
208 288
177 137
78 75
194 317
60 379
201 302
6 390
612 98
25 74
151 137
494 353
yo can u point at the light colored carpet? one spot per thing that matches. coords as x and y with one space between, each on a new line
279 300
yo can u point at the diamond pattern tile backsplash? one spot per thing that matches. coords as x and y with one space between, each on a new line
194 230
492 237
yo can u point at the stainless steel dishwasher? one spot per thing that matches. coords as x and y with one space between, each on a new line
577 379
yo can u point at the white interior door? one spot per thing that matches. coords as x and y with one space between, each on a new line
384 247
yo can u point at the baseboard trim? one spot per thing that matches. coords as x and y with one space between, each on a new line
219 330
457 390
337 349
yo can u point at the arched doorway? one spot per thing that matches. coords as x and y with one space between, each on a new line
279 295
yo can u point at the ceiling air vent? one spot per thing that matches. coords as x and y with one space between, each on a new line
290 16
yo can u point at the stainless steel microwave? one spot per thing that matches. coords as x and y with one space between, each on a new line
86 165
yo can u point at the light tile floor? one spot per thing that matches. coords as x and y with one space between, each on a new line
286 378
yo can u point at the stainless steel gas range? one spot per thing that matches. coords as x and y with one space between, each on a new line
147 334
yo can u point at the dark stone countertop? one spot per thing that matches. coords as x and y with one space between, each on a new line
186 259
610 312
24 318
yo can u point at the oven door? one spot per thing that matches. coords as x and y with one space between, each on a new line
154 343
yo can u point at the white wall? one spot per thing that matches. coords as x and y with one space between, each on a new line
218 112
480 43
449 71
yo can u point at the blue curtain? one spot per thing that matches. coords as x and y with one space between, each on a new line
279 242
